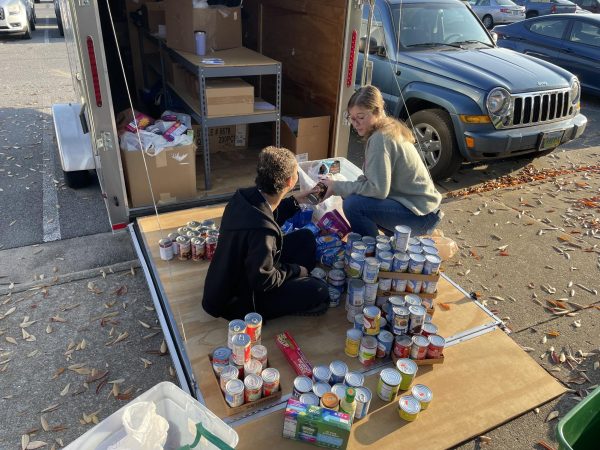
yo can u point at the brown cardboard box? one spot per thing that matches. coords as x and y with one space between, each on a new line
154 15
222 139
311 141
223 26
229 97
172 174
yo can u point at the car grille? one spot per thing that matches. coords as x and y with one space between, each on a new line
1 14
538 107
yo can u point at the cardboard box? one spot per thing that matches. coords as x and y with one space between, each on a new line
223 26
222 139
154 15
172 173
307 137
229 97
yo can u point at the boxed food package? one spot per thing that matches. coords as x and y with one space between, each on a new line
229 97
222 139
222 25
307 137
154 15
315 425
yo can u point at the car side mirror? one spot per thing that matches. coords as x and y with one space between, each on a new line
372 44
494 36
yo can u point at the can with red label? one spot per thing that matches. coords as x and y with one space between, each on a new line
254 327
367 351
228 373
236 326
253 387
183 230
240 348
270 379
417 318
211 246
436 346
402 346
259 353
371 317
185 248
428 329
173 236
419 347
252 366
198 248
165 246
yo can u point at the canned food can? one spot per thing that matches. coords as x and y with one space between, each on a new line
240 350
212 233
355 265
192 224
417 319
401 320
401 237
302 385
339 265
321 374
419 347
414 286
363 401
408 408
203 231
352 313
353 379
432 264
358 247
431 251
383 239
165 246
383 323
339 390
309 399
211 247
367 350
321 389
408 369
370 242
428 329
352 237
253 388
428 318
359 320
318 273
423 394
399 285
253 366
193 234
270 377
386 261
236 326
426 242
185 248
221 355
356 293
385 284
234 393
436 346
382 248
429 287
402 346
254 327
416 263
414 241
240 368
338 371
371 316
426 302
209 223
228 373
371 293
393 301
412 300
331 401
183 230
353 338
370 270
337 279
334 297
259 353
415 249
385 340
400 262
388 384
173 236
198 245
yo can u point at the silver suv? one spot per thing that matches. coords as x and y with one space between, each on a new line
17 16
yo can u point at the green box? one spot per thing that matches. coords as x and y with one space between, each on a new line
580 428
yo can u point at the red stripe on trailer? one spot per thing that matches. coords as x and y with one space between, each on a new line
94 69
119 226
349 77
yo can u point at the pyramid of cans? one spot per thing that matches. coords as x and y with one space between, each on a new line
195 241
242 366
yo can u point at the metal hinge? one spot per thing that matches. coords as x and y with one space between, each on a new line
84 2
105 141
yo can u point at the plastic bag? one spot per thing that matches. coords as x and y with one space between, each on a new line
308 180
446 246
152 143
145 429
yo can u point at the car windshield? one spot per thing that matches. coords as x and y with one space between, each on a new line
438 24
504 3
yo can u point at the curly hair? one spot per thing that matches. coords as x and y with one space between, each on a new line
275 167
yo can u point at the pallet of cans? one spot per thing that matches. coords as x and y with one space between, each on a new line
196 241
241 369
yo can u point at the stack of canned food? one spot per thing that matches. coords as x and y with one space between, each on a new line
196 241
328 385
242 366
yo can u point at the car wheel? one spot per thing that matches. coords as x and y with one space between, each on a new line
27 34
531 14
61 30
32 23
77 179
435 138
488 21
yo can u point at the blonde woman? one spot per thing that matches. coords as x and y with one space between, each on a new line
396 188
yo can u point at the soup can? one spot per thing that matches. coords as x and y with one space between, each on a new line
385 340
428 329
408 369
358 247
423 394
393 301
209 223
371 316
185 248
370 270
417 319
402 346
331 401
401 319
370 242
386 261
193 234
259 353
337 279
383 239
401 237
236 326
270 379
355 265
399 285
363 401
382 248
321 389
318 273
413 300
302 385
415 249
183 230
309 399
429 287
339 265
431 251
334 297
385 284
352 237
356 293
254 327
353 379
353 311
367 350
371 293
383 324
240 350
388 384
427 302
432 264
193 224
408 408
426 242
339 390
165 247
252 388
198 248
338 371
414 286
228 373
321 374
436 346
353 338
234 393
419 347
173 236
211 247
239 367
221 356
400 262
414 240
253 367
416 263
359 322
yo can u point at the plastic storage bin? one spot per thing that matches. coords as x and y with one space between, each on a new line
181 411
580 428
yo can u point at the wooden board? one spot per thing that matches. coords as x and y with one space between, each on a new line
234 57
485 382
230 171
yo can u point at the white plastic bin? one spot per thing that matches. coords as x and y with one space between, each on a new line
181 411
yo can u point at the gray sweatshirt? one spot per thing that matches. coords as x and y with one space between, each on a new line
393 170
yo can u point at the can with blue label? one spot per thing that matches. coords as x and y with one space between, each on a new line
358 322
370 293
355 265
401 237
385 341
399 285
356 293
400 262
334 297
363 401
416 263
337 279
338 371
321 374
371 243
382 248
432 264
413 300
385 261
426 242
370 270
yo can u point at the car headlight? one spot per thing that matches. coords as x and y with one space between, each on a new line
14 8
498 102
575 91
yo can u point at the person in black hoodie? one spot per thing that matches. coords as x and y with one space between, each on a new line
255 267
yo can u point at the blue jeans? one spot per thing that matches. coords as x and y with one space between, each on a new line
366 215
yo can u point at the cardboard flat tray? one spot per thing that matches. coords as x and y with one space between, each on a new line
409 276
422 362
393 293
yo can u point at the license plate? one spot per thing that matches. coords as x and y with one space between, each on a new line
551 140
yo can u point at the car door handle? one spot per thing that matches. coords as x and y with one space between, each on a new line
567 50
398 73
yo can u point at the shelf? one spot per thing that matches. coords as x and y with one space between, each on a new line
153 61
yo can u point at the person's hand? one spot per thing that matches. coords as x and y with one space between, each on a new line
329 183
303 272
302 196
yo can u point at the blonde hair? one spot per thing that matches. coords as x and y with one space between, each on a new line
370 98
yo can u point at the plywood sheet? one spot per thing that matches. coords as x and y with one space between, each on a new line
485 382
234 57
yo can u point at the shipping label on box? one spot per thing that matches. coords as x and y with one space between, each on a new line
222 139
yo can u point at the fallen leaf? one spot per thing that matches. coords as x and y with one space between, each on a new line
36 444
503 253
65 391
24 441
120 291
51 408
545 445
144 324
44 423
553 333
58 373
553 415
444 306
12 340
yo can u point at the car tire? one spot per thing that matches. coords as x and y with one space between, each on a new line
27 34
32 24
61 30
431 127
77 179
531 14
488 21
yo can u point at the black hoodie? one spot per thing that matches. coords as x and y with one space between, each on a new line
247 257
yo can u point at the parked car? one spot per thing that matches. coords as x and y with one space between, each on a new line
543 8
58 17
17 16
589 5
464 97
494 12
571 41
